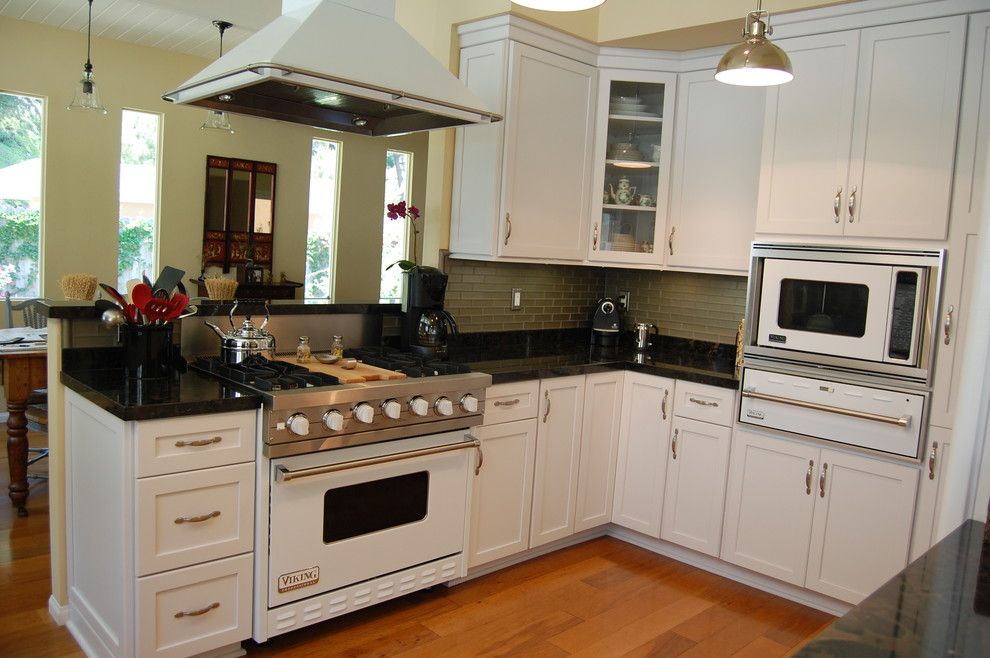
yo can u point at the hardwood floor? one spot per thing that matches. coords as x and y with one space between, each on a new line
601 598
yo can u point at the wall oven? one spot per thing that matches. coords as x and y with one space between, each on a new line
856 309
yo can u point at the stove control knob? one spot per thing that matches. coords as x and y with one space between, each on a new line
364 412
298 424
392 409
444 406
419 406
333 420
469 403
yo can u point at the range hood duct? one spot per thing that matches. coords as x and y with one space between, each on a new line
338 64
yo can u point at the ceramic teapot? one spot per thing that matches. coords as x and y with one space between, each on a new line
624 193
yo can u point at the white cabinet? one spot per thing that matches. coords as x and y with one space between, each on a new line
503 491
599 445
558 444
715 174
644 437
522 186
834 522
933 462
862 142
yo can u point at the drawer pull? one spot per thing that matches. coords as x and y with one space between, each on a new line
196 613
506 403
198 443
197 519
703 403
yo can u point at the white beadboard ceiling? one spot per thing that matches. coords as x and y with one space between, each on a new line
179 25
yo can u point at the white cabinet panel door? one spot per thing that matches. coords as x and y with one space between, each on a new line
647 410
695 491
599 443
862 524
503 491
558 444
769 505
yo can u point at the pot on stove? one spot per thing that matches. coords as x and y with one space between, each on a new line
247 340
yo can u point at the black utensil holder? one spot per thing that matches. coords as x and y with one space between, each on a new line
148 350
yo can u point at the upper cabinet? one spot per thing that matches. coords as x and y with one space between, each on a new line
522 186
862 142
632 166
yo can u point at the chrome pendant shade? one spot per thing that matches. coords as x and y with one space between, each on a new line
87 95
756 62
217 119
559 5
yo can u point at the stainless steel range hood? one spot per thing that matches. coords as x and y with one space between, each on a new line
337 64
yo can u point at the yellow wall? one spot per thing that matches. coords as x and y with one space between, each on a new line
82 154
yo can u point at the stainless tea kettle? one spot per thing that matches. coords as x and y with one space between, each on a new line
245 341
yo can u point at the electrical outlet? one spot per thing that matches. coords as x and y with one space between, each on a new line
515 301
623 300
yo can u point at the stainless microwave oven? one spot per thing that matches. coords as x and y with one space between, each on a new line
855 309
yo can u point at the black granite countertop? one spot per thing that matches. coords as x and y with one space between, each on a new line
939 605
181 395
76 310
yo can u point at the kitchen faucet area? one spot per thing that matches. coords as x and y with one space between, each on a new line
484 327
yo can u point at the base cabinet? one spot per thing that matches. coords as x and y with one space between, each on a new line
833 522
599 445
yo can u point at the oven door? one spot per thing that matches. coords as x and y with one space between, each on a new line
343 516
838 309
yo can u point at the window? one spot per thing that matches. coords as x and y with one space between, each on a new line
395 232
139 136
21 121
324 174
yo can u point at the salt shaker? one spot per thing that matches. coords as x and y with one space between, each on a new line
337 347
303 351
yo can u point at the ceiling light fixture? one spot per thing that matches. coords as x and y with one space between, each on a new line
755 62
559 5
217 119
86 95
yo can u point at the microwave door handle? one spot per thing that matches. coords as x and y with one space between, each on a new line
916 330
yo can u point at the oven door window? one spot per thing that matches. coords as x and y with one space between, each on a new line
367 507
824 307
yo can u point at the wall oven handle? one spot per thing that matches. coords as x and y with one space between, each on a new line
481 453
283 474
902 421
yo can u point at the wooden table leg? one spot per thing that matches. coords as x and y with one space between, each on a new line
17 445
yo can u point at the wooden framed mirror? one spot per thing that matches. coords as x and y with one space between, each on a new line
239 212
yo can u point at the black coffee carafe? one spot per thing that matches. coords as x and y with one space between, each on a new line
426 326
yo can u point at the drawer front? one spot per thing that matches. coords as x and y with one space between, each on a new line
710 404
192 517
515 401
189 611
171 445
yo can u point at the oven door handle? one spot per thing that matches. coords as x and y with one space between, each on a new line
283 474
902 421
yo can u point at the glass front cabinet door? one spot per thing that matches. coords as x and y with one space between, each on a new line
632 152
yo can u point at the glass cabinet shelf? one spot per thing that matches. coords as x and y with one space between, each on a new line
637 118
632 164
619 206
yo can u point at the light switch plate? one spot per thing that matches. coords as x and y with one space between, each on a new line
515 301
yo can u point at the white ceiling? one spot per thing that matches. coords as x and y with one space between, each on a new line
179 25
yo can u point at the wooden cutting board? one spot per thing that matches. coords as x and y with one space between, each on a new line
362 372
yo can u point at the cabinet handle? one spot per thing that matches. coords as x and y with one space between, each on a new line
807 476
670 240
821 480
837 203
546 397
703 403
197 519
673 444
198 443
932 456
852 205
507 403
947 327
481 453
594 242
663 404
197 613
508 232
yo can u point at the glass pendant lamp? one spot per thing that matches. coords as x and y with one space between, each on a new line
217 119
87 95
756 62
559 5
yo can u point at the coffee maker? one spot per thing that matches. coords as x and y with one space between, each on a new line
605 323
426 326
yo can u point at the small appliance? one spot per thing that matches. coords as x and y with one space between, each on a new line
643 330
605 323
426 326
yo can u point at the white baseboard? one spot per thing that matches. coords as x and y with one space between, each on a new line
58 612
518 558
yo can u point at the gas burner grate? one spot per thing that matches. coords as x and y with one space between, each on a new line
265 375
406 363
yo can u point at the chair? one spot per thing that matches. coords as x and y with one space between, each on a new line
36 410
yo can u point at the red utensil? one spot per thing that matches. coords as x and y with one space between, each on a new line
178 304
141 295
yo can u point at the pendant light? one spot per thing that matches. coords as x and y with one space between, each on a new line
87 96
217 119
559 5
755 62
